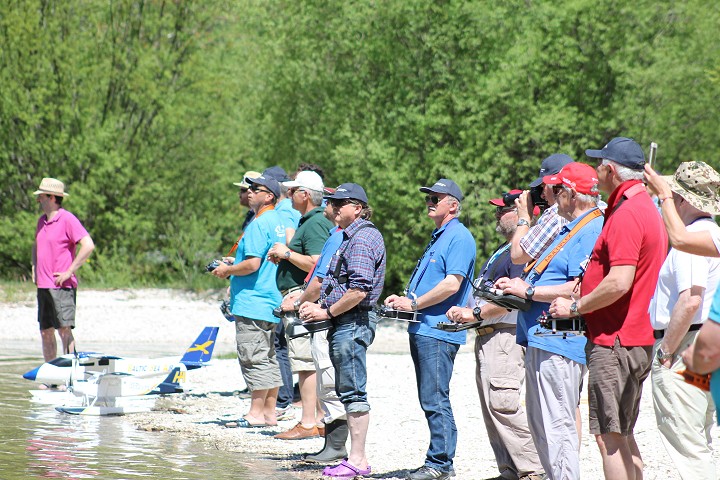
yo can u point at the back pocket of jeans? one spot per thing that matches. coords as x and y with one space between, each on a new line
504 394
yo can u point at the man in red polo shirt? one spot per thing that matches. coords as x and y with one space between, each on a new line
615 294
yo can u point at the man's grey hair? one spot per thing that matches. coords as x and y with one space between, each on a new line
588 199
624 173
459 205
283 189
316 198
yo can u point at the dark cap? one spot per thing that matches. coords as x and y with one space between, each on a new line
276 172
349 191
444 185
268 182
622 150
550 166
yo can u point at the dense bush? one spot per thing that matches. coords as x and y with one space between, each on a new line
150 110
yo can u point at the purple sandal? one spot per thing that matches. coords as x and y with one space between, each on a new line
345 470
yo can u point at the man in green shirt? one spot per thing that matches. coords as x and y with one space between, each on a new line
294 262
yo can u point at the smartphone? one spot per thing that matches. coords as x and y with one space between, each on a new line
653 154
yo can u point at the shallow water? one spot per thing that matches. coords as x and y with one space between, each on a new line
36 441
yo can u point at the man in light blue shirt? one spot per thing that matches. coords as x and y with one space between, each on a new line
439 282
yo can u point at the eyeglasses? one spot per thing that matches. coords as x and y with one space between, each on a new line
254 188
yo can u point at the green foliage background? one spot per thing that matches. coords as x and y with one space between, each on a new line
150 110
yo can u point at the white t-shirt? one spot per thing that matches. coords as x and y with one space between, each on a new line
682 271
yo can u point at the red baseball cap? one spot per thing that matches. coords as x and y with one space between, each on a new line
500 202
579 176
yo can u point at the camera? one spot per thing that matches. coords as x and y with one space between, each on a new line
536 197
509 198
213 265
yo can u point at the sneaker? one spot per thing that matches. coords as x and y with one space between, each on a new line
285 413
428 473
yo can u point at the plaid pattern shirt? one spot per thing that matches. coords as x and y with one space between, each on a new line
542 234
364 265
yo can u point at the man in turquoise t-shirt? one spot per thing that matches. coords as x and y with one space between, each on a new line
253 296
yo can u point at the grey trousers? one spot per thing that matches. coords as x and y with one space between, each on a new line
499 375
553 393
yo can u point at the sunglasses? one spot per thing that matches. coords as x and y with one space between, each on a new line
558 189
341 203
434 199
254 188
500 211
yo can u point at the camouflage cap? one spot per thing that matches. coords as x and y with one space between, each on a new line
698 184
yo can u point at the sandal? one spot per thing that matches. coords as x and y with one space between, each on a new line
345 470
243 423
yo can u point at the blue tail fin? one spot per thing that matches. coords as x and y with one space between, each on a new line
200 351
171 384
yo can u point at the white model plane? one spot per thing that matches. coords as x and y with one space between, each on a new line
98 384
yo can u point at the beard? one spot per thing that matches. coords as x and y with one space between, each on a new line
505 229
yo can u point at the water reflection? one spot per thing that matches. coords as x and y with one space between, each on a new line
39 442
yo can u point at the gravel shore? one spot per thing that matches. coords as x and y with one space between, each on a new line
159 322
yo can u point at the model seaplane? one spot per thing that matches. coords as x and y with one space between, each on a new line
98 384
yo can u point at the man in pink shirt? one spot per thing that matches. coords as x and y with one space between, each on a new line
55 261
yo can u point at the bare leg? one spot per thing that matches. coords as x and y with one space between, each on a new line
269 407
616 456
636 457
307 381
257 407
68 341
358 423
49 343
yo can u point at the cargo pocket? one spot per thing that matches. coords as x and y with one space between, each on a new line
504 394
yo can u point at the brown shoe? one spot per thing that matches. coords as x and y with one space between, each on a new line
298 432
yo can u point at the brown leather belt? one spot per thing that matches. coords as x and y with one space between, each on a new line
487 330
658 334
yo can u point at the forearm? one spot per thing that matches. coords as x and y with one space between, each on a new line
615 284
312 292
706 352
548 293
490 311
245 267
442 291
303 262
518 256
681 318
348 301
86 248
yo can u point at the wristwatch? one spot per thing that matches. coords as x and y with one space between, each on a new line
287 254
662 355
574 309
477 313
530 292
296 304
413 304
522 222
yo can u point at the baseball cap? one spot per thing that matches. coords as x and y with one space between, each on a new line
248 174
550 166
349 191
276 172
500 202
444 185
579 176
306 179
268 182
622 150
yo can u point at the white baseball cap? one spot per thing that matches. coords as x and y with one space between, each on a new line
306 179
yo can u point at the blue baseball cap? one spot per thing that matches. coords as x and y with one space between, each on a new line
268 182
550 166
349 191
276 172
444 185
622 150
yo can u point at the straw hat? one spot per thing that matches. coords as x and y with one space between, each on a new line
51 186
698 184
248 174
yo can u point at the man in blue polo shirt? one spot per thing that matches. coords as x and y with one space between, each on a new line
438 282
253 296
555 365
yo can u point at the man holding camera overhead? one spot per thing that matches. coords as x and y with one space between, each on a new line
439 282
529 240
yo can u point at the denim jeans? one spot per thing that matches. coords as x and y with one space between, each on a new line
285 394
349 339
434 360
